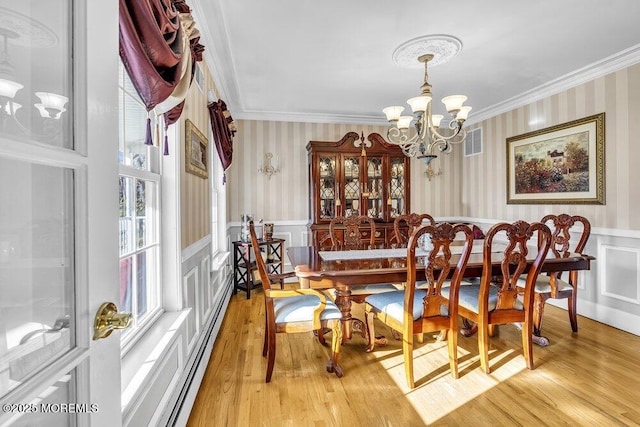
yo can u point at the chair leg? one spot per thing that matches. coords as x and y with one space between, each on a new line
320 332
573 314
271 351
538 310
407 353
483 346
527 342
371 333
453 350
420 338
266 334
336 340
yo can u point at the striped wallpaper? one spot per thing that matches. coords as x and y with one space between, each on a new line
616 94
285 197
195 192
470 186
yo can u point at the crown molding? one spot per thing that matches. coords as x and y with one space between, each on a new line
277 116
593 71
583 75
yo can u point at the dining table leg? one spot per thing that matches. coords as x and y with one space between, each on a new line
350 324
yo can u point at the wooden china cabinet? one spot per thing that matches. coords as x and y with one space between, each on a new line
345 180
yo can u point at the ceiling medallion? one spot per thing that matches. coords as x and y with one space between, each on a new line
443 47
26 31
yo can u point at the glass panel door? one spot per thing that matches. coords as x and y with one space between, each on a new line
351 186
328 187
58 222
373 190
37 280
396 188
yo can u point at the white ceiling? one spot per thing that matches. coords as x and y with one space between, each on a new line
330 60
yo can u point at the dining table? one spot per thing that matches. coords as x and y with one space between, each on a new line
334 268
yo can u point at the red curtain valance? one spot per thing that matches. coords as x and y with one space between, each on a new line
159 46
223 131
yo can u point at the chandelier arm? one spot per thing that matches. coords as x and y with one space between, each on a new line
11 114
442 145
459 132
398 137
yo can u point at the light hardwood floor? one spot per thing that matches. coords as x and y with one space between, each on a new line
590 378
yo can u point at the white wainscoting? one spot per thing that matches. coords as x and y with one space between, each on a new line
177 350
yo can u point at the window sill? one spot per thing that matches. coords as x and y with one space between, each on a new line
219 261
138 365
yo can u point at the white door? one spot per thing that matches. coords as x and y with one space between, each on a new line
58 212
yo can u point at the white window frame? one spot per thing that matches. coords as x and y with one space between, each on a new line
153 175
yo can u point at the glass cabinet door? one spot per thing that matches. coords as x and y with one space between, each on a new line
351 170
396 190
328 187
374 188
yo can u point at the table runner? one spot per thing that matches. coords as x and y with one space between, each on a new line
396 253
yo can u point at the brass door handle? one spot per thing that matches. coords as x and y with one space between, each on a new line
108 319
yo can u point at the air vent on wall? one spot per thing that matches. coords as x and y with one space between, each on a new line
473 142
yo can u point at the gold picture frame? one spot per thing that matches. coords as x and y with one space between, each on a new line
197 151
562 164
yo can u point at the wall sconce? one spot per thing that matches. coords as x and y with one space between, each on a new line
51 105
270 165
432 173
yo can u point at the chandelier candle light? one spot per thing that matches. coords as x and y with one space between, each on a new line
428 134
51 105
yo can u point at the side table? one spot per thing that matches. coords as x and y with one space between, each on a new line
244 263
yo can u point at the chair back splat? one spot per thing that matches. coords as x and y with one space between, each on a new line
412 222
354 234
415 311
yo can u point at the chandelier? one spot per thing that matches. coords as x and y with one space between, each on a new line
51 105
428 135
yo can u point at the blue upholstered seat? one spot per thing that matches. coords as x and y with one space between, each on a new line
300 309
372 289
543 286
423 284
468 297
392 304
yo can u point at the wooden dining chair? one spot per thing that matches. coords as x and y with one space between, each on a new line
497 299
415 311
359 233
552 285
353 235
412 221
296 310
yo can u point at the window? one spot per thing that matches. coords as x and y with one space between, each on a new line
139 213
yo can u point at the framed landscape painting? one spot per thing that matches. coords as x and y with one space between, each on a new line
562 164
